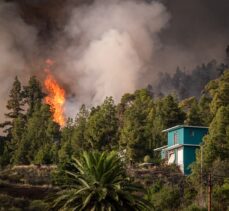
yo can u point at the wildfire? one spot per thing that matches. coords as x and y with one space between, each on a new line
56 95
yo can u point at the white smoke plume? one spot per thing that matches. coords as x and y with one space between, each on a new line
112 48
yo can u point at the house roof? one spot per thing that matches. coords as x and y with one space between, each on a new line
183 126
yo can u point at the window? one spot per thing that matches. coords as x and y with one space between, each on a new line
192 133
175 138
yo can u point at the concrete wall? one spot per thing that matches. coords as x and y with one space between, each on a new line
180 136
194 135
189 158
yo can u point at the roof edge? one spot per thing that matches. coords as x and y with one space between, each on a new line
160 148
183 126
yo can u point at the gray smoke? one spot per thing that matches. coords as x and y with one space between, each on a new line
108 47
113 44
198 33
17 43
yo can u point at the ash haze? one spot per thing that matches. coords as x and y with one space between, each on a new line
107 47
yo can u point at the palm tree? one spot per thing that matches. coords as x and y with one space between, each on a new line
98 182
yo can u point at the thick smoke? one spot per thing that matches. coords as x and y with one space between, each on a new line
17 41
107 47
112 47
198 33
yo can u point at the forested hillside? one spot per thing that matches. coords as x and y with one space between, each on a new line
130 129
187 83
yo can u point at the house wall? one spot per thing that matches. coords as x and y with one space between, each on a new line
189 158
180 136
163 154
194 135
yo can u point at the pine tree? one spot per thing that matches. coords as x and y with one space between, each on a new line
194 116
73 139
102 126
14 105
33 95
216 143
170 113
40 137
78 140
17 136
66 151
136 130
218 90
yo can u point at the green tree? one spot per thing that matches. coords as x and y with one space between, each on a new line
18 130
194 116
78 140
136 130
102 126
99 182
218 90
216 143
164 197
73 136
66 151
221 196
40 134
14 105
33 95
169 112
13 125
204 106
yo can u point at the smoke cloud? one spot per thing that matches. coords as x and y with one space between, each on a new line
107 47
17 39
112 47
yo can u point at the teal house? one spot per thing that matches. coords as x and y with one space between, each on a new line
182 143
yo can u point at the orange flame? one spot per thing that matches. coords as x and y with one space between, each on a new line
56 95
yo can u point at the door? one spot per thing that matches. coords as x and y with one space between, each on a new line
180 158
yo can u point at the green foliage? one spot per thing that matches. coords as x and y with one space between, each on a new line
99 182
102 126
73 136
205 112
14 107
218 90
169 112
213 157
8 203
40 134
134 128
221 196
194 116
135 134
78 140
33 95
216 143
194 207
38 205
15 104
164 197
